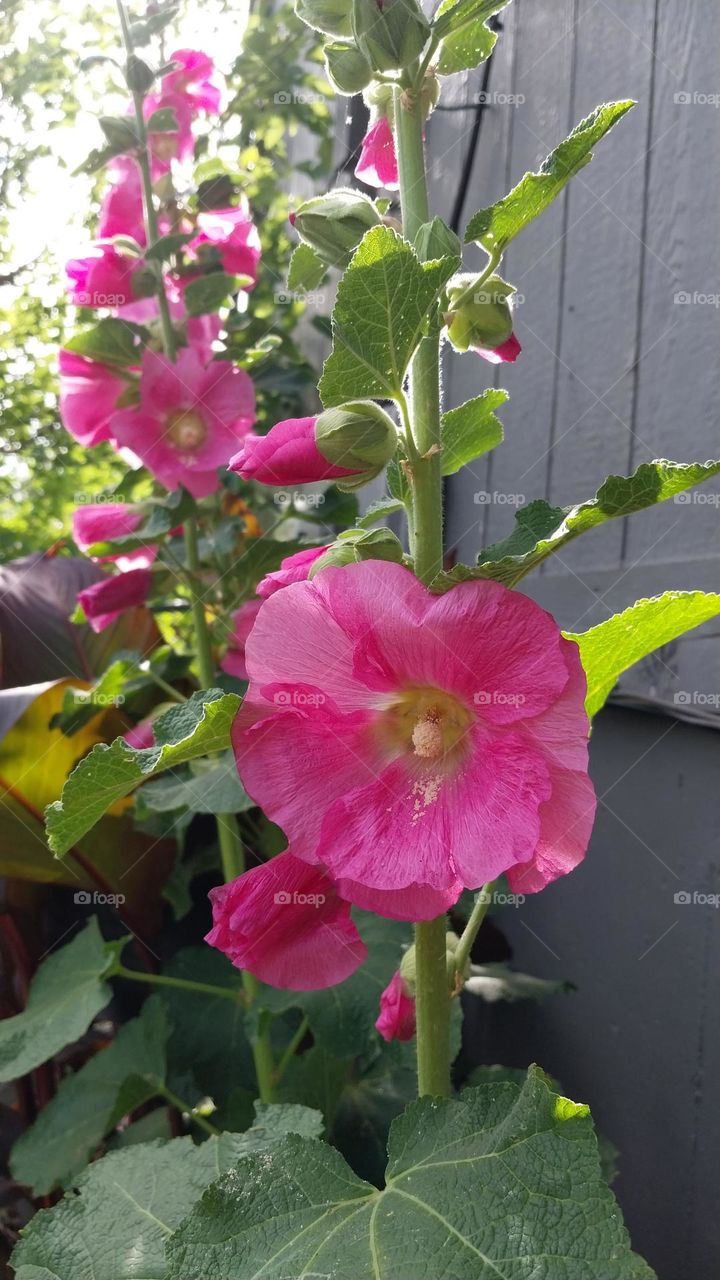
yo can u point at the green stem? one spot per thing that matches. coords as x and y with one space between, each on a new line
179 984
187 1110
432 984
163 684
291 1050
206 665
477 915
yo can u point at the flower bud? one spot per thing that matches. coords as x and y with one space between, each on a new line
347 67
436 240
333 225
138 75
355 545
332 17
482 318
359 436
391 33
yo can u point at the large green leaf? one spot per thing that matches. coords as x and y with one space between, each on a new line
504 1182
612 646
66 994
111 341
127 1204
471 431
204 786
541 529
109 773
90 1102
467 40
383 300
498 224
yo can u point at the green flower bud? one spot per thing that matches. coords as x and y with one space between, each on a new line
436 240
355 545
358 435
391 33
333 225
348 69
138 75
332 17
408 964
480 318
408 969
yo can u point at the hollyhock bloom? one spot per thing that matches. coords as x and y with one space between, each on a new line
285 923
196 78
105 521
104 601
243 622
142 735
377 165
202 331
233 234
397 1011
165 146
88 395
101 279
414 744
293 568
190 418
121 212
506 353
288 454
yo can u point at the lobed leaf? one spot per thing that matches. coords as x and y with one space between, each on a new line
468 40
110 341
471 431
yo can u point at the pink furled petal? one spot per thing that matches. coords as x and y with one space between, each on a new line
415 902
293 568
104 601
285 923
288 454
103 521
397 1011
121 212
103 278
88 395
566 821
196 78
377 165
506 353
141 736
234 235
243 622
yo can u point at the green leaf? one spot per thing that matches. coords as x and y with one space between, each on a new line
67 992
207 293
471 430
164 120
378 1089
206 786
374 338
80 706
167 246
306 269
379 510
498 224
109 773
127 1204
541 529
90 1102
504 1181
611 647
469 41
111 341
497 982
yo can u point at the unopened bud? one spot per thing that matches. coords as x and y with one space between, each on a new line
355 545
334 224
482 317
138 75
391 33
348 69
358 435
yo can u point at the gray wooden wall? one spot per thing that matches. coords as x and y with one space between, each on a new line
615 371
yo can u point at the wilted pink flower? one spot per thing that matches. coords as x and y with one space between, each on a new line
121 211
377 165
233 234
88 395
397 1011
168 145
104 601
190 418
101 279
243 621
105 521
285 923
293 568
413 743
506 353
288 454
196 78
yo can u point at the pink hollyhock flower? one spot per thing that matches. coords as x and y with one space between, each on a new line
142 735
105 521
234 235
190 418
202 331
103 278
293 568
121 212
506 353
243 622
104 601
397 1011
196 78
164 146
88 395
288 454
377 165
285 923
414 744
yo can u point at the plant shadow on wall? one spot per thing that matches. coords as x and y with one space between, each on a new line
358 750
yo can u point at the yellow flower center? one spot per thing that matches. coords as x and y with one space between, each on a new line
186 430
425 722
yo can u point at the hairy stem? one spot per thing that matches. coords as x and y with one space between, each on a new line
483 899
